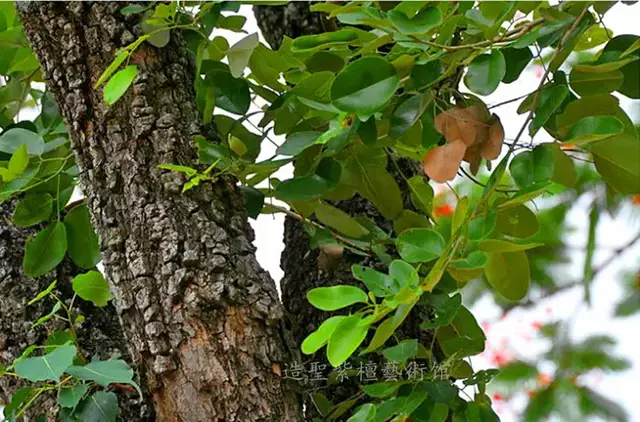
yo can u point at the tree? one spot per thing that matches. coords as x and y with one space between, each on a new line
369 103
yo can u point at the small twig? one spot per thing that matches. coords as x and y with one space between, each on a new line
320 226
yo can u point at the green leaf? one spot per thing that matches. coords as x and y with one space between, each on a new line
518 221
346 338
324 61
516 60
119 83
325 178
380 284
481 227
420 245
82 241
339 220
100 407
446 311
132 9
459 214
19 161
232 94
422 22
622 47
240 53
314 341
92 287
541 405
586 83
365 413
297 142
18 399
425 74
45 250
365 171
324 40
335 297
232 23
253 200
485 73
43 293
105 372
564 170
115 64
402 352
71 396
409 220
11 140
48 367
593 105
34 208
381 389
548 102
407 114
593 128
421 194
463 337
388 327
404 274
616 160
365 86
495 245
531 167
508 273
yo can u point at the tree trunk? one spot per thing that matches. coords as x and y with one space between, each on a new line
201 318
299 262
99 336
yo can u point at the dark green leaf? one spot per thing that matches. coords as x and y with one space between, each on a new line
82 241
532 167
516 60
402 352
422 22
325 40
407 113
485 73
508 273
585 83
481 227
232 94
298 142
253 200
326 177
518 221
100 407
420 245
45 250
365 86
70 396
34 208
549 100
593 128
616 159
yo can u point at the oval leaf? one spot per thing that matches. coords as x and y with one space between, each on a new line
420 245
45 250
335 297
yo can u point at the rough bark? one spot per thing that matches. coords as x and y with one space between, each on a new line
100 336
299 262
201 318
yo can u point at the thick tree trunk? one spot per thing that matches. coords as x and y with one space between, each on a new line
99 336
201 318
